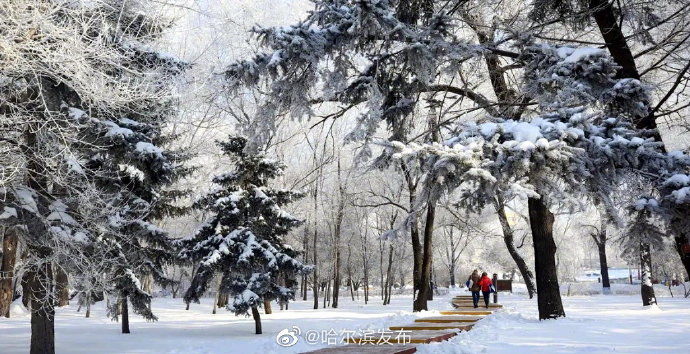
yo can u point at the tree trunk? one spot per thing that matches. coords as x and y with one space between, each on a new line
414 235
389 276
26 286
381 270
305 285
417 256
432 279
9 258
194 270
352 290
316 278
147 286
680 239
420 303
42 310
365 267
606 19
366 285
336 279
217 301
508 238
267 307
61 287
223 299
88 305
350 282
125 314
257 320
390 290
337 235
326 292
41 275
603 265
549 295
647 291
452 276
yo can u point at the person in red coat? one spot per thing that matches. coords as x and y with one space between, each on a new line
485 284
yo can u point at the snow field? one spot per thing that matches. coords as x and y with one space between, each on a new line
595 324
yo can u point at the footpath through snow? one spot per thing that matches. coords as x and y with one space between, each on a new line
595 324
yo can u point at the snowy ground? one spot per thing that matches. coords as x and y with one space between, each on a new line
594 324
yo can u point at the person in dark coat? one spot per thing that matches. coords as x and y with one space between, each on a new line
473 284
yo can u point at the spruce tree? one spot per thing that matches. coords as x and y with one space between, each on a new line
243 241
138 172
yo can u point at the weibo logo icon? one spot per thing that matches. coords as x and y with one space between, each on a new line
288 337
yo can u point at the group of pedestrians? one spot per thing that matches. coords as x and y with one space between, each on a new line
481 283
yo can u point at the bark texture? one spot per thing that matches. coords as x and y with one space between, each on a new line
125 314
42 310
604 266
549 295
647 291
680 239
420 303
257 320
9 258
61 287
267 307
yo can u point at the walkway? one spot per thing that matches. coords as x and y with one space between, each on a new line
423 330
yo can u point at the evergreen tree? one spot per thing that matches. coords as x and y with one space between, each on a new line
243 241
84 99
581 144
384 56
136 172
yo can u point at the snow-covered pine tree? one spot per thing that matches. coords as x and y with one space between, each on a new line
138 173
580 144
243 241
376 58
72 77
649 23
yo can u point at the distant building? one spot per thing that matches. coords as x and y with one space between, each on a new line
616 275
